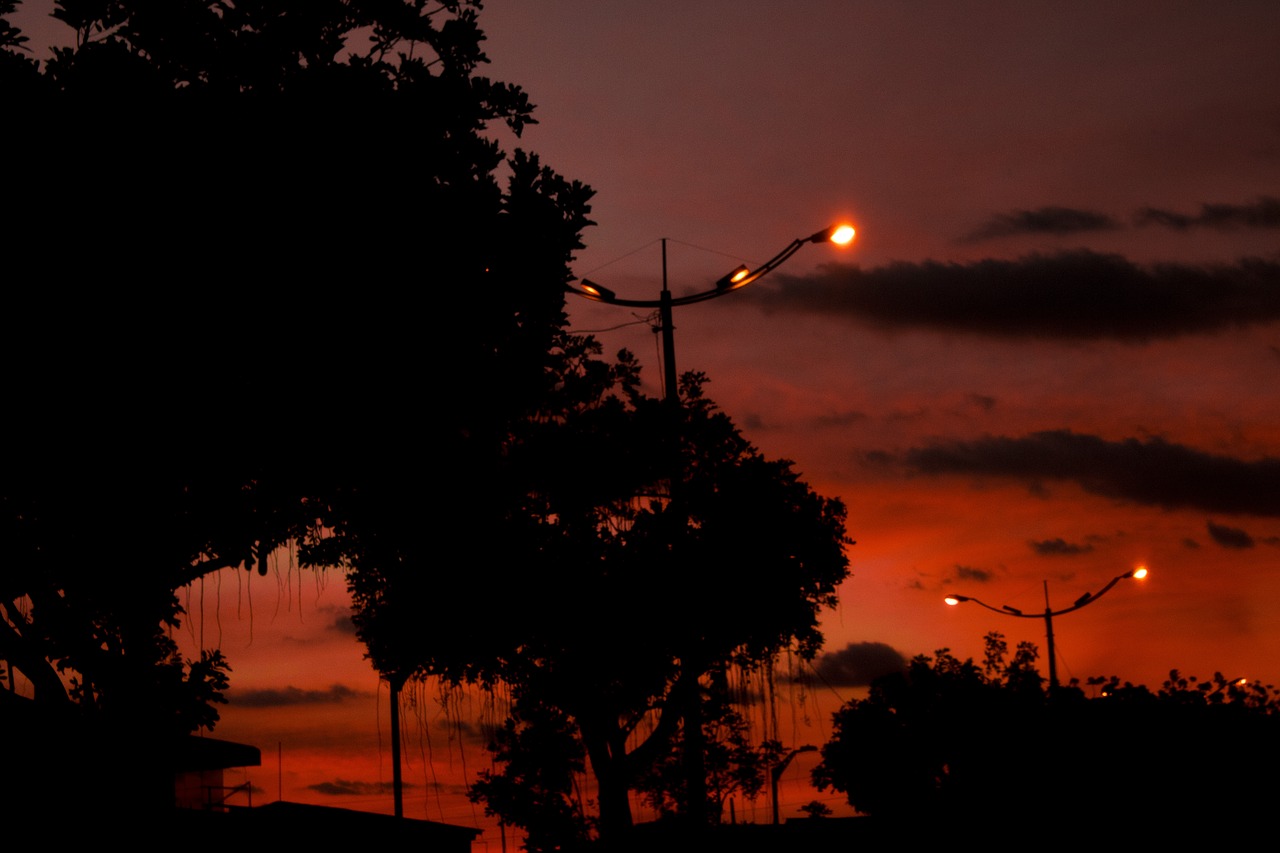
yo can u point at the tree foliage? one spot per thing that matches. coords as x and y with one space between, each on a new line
19 74
541 758
271 280
651 554
732 763
91 559
951 741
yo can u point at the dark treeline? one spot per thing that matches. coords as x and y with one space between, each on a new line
959 746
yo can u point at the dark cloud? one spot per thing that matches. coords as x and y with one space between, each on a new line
877 458
982 401
276 697
858 664
1190 543
969 573
1070 296
1059 547
346 787
1043 220
1229 537
1151 472
907 416
343 624
838 419
1262 213
471 731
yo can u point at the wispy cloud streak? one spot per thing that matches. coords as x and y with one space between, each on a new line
1229 537
348 787
1153 472
1078 295
1042 220
277 697
1261 213
1059 547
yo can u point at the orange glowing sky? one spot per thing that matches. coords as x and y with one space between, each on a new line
936 130
954 133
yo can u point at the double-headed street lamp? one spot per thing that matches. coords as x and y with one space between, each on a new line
841 235
1049 613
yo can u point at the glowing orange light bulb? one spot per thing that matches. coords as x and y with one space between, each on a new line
843 235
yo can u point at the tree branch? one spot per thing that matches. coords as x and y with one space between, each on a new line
24 655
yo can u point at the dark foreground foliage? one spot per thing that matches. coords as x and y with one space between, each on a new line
266 274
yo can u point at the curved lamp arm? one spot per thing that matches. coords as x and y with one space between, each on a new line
1087 598
740 277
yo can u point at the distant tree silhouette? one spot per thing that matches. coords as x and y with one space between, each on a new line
816 809
949 743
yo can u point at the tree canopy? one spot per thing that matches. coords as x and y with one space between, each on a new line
641 556
270 278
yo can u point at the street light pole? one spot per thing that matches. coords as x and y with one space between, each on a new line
1049 613
668 335
740 277
685 692
1048 635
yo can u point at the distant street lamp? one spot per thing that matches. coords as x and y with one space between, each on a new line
740 277
1088 598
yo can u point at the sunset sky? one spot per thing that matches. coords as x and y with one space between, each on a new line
1051 355
1022 371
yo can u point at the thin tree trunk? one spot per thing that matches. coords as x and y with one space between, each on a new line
611 782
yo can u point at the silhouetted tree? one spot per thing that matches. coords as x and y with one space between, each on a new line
615 577
947 745
816 809
264 283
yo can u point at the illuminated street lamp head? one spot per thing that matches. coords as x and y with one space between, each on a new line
841 235
953 600
597 291
739 277
1139 573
